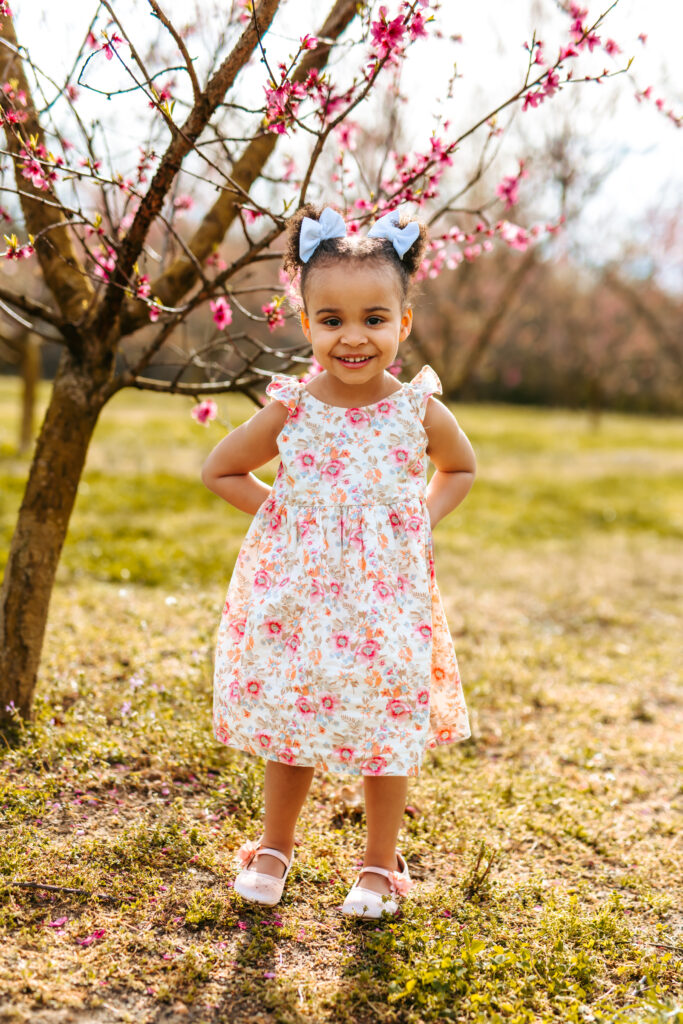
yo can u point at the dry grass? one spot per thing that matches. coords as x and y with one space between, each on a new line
569 648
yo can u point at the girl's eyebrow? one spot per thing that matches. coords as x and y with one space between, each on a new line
370 309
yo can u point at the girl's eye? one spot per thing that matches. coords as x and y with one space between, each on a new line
374 320
333 321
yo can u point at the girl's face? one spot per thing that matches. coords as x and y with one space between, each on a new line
354 320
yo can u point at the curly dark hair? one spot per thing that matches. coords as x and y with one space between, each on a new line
354 248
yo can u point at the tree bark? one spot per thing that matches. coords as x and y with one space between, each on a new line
30 375
42 525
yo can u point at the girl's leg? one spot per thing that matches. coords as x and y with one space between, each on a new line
385 801
284 793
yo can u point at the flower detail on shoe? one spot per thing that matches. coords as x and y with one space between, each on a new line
247 851
399 883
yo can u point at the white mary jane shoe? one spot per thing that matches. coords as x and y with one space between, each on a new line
256 886
362 902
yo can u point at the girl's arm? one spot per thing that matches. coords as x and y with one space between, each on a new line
453 457
227 469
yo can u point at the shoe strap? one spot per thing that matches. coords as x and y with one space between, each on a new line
374 871
273 853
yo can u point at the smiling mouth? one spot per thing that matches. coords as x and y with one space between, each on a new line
354 360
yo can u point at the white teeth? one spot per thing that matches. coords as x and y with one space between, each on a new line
354 359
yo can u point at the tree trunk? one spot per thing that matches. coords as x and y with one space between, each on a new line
42 524
30 375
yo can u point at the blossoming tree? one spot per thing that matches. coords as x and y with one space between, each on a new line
95 229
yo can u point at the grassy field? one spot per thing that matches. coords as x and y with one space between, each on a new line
547 848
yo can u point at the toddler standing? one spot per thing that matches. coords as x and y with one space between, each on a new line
333 649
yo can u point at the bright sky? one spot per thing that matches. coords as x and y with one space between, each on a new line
490 59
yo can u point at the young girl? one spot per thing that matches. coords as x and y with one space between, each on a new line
333 649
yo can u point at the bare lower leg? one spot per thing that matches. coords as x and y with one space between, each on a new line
285 790
385 801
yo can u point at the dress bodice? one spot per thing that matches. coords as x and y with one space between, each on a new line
369 455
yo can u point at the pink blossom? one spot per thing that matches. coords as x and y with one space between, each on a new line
91 40
308 42
346 136
184 202
154 312
262 579
508 190
274 314
551 83
417 26
611 48
532 99
642 38
264 740
143 290
250 215
424 630
205 411
97 934
253 687
345 754
273 627
387 35
567 51
59 922
423 697
222 313
110 46
341 641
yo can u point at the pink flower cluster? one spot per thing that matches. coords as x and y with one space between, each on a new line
282 102
660 104
204 412
222 312
508 189
15 251
442 254
273 313
32 169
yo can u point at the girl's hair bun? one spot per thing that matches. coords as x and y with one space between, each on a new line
413 257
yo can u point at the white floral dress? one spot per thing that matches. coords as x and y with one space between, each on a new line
333 648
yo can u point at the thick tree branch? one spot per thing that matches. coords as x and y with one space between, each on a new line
174 283
107 312
62 270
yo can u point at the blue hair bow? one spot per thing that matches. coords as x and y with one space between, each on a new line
330 225
401 238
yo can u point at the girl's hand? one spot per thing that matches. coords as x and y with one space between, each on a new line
227 469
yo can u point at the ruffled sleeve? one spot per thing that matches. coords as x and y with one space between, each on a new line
424 384
285 389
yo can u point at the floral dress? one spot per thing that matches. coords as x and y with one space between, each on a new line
333 648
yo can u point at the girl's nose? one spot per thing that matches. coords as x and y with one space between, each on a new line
353 336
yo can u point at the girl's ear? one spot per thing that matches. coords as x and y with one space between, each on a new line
406 323
305 324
